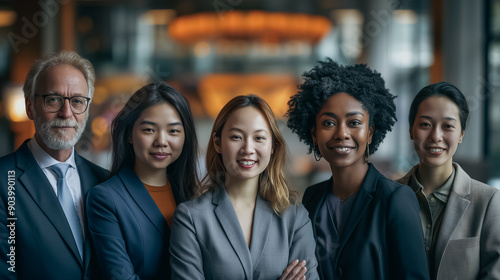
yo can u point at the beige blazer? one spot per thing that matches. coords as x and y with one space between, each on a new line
468 242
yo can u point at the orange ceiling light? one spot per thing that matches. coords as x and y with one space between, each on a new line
215 90
249 25
7 18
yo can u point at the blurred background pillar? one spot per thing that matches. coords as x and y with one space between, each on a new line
67 24
25 40
463 64
436 70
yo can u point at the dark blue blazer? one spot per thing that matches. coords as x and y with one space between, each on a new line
382 238
44 245
130 234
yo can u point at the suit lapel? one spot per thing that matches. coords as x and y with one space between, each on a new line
456 206
357 212
35 182
143 199
360 205
224 211
262 219
317 200
406 179
87 181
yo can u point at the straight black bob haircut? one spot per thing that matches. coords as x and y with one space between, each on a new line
441 89
329 78
182 173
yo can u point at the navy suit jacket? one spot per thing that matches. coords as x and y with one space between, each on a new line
130 234
382 238
44 246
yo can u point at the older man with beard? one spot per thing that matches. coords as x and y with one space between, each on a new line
43 231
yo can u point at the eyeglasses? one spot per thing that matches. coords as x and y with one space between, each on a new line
54 103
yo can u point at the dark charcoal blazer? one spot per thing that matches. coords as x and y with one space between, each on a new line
44 244
382 238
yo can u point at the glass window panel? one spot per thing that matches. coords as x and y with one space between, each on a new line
494 94
495 20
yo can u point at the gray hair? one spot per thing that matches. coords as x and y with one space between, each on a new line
63 57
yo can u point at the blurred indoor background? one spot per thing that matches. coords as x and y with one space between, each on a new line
213 50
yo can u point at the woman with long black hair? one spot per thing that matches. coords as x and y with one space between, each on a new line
154 169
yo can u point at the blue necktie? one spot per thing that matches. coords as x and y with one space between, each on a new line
66 201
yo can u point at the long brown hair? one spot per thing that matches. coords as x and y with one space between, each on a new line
273 186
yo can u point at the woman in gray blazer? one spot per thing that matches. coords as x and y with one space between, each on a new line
247 223
460 216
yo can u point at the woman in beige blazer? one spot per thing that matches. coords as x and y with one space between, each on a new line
460 216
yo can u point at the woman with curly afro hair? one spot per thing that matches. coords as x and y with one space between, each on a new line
366 226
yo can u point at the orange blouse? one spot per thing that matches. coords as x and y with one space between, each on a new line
164 199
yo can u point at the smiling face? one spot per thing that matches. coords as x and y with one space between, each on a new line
60 130
245 144
157 138
342 131
436 131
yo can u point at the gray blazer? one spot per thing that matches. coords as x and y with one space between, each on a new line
468 242
207 241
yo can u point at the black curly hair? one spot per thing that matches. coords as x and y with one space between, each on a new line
329 78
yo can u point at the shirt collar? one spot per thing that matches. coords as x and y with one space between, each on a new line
43 159
414 184
442 193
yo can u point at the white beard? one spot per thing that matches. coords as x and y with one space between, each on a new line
58 141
